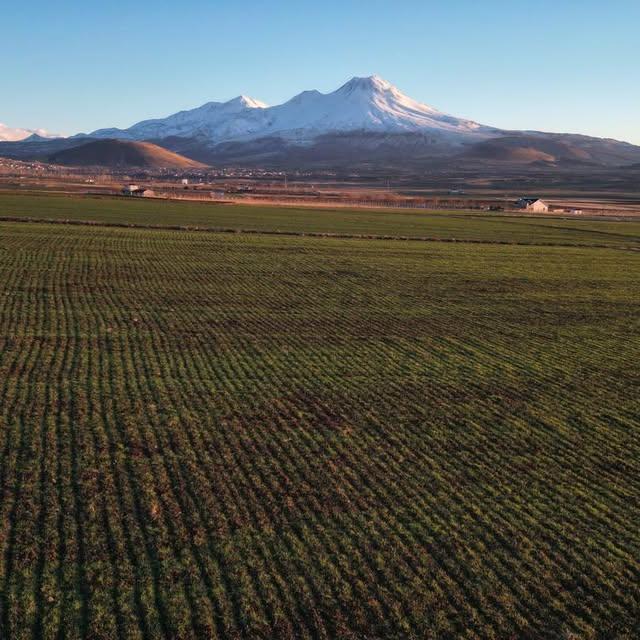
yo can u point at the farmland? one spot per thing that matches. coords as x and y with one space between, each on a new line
440 225
224 435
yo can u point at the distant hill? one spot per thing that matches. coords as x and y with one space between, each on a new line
122 153
548 147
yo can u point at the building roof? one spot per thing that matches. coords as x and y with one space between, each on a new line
133 188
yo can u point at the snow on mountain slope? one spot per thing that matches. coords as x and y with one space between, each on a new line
362 104
7 134
215 120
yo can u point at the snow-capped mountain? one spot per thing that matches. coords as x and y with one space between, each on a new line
7 134
213 120
362 104
367 124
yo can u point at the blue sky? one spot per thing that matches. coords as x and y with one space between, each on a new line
565 65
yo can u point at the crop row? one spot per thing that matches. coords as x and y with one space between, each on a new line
435 225
218 436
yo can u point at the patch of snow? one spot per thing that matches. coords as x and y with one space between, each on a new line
8 134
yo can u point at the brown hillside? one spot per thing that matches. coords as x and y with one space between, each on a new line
122 153
528 149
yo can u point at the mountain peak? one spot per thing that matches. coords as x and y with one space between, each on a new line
367 83
247 102
36 137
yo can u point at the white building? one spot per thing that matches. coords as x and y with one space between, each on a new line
538 206
139 192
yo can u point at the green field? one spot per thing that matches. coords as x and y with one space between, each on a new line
215 435
443 225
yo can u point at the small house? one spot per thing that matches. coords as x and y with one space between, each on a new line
539 206
139 192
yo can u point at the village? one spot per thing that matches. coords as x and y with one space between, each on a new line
315 189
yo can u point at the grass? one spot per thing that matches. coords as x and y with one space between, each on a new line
417 224
243 435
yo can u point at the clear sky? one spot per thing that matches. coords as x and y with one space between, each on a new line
561 65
